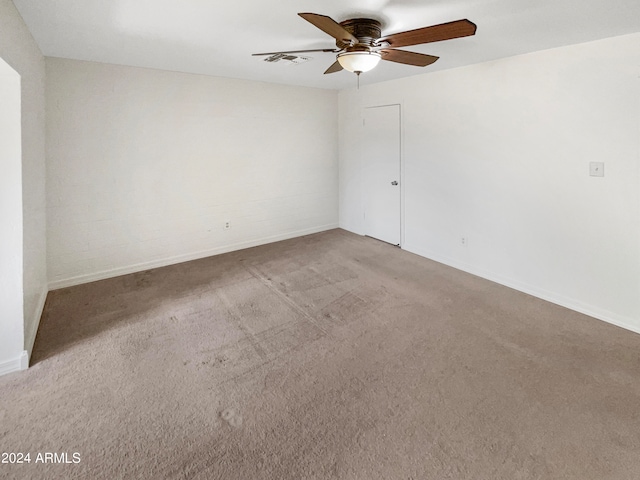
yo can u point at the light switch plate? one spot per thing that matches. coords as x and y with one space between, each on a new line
596 169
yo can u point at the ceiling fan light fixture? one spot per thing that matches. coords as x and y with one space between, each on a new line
362 45
359 61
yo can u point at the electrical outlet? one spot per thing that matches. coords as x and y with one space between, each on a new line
227 225
463 241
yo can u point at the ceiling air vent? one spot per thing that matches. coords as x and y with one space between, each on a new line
286 59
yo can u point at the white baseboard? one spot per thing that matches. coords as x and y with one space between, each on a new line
30 336
21 362
621 321
139 267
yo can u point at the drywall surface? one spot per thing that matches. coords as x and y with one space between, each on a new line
11 308
499 153
145 167
20 52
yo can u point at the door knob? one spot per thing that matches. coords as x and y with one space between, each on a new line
394 182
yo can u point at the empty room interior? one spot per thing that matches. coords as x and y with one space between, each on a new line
377 239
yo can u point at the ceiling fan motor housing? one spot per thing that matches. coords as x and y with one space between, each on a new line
366 30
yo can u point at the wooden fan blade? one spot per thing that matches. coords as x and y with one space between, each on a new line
408 58
330 26
333 50
335 67
435 33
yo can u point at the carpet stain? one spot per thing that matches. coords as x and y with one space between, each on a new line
232 417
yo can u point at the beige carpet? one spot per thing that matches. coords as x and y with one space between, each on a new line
326 356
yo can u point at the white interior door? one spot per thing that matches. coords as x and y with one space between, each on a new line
381 172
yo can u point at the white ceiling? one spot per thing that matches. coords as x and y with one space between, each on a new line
217 38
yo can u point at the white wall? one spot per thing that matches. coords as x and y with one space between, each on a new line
11 288
20 52
499 152
145 166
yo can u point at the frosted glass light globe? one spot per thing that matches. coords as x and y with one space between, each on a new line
359 61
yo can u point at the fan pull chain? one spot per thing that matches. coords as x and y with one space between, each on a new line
358 75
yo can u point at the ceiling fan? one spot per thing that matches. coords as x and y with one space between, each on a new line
360 44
